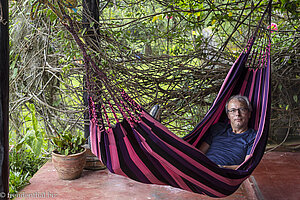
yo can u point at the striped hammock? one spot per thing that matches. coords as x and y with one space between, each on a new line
141 148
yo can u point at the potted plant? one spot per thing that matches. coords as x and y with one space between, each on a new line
69 156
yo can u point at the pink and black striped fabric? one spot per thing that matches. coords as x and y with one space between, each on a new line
141 148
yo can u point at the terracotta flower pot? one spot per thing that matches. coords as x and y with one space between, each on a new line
69 167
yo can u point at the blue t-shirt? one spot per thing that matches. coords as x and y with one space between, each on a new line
227 147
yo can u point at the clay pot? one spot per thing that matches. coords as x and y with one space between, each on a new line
69 167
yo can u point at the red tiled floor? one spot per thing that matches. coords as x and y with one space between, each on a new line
277 177
104 185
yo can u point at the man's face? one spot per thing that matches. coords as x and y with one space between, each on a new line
238 114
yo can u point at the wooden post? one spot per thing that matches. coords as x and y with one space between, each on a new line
4 92
90 12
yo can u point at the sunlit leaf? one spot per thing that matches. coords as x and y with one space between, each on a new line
82 40
295 97
154 18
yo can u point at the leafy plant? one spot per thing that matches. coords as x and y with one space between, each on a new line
65 143
23 165
34 137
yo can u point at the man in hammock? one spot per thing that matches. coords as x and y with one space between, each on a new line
228 145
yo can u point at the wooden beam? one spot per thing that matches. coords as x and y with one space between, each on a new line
4 94
90 13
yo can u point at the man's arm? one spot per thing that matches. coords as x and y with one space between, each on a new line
234 166
204 147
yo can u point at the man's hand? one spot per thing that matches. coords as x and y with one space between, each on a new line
229 166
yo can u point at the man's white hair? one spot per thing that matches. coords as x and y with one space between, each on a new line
240 98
